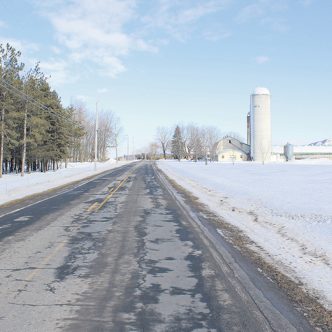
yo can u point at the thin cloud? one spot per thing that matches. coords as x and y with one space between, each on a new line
216 35
265 12
250 12
178 18
55 50
306 3
100 34
261 59
102 90
28 50
95 31
58 71
276 24
20 45
81 99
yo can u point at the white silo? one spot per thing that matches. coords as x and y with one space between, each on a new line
260 117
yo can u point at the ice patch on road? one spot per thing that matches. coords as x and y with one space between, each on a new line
23 218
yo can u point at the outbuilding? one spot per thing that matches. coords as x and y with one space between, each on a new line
231 149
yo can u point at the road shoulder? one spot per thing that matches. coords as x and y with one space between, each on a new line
315 312
27 200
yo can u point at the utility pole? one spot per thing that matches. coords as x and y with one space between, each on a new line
127 147
96 138
116 142
133 153
116 149
2 118
24 137
127 155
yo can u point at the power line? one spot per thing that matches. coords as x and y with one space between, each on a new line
12 88
25 96
9 86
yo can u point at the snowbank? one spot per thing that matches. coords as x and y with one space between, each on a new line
13 186
285 208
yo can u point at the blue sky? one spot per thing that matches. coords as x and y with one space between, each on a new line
162 62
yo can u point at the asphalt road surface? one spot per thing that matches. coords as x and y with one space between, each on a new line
124 252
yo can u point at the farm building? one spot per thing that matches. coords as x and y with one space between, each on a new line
231 149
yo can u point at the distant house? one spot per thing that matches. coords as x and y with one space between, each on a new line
231 149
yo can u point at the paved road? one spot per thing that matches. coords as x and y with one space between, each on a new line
124 252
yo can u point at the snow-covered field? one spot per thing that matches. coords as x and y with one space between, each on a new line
13 186
285 208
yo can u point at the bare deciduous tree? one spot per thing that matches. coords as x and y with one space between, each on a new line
164 137
108 134
234 135
117 132
212 136
153 150
194 142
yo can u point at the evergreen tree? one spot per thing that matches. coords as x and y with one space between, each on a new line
77 132
10 69
36 132
178 150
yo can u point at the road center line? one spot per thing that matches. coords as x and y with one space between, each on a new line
97 206
45 261
94 177
92 207
107 198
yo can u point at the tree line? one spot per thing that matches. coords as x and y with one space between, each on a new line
37 133
188 141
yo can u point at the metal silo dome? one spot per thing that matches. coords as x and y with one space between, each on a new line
261 91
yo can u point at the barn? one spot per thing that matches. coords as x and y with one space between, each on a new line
231 149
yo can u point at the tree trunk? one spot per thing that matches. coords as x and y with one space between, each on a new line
24 139
2 138
164 150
